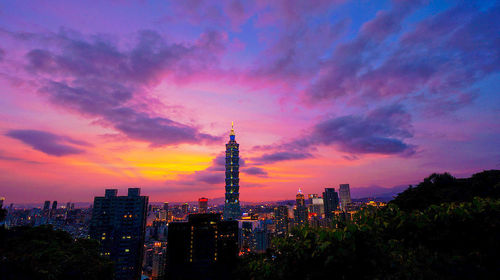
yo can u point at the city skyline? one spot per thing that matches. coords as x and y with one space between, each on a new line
141 94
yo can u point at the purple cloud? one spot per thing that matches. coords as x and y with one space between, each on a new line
435 62
103 82
282 156
257 171
381 131
48 143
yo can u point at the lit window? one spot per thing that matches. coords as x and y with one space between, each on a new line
127 250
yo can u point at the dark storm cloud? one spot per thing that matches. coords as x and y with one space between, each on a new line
48 143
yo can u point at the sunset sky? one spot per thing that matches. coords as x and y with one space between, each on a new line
117 94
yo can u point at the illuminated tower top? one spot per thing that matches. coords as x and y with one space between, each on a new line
300 198
232 135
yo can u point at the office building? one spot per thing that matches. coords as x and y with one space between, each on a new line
281 220
345 196
330 202
300 212
316 208
165 206
203 205
232 209
54 205
247 240
46 205
118 223
203 247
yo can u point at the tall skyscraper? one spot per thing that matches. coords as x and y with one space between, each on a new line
281 220
54 205
203 205
119 223
345 195
165 206
203 247
300 212
232 209
330 201
2 199
46 205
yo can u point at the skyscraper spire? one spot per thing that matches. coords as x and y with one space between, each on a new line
232 135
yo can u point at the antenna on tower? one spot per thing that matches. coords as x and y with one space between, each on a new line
232 129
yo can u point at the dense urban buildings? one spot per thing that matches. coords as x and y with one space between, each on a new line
330 201
118 223
345 196
232 210
203 247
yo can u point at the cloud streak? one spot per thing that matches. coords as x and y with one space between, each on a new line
48 143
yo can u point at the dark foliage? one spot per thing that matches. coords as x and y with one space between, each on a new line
3 213
440 188
45 254
437 230
450 241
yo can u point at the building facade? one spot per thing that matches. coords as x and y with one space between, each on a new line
232 210
118 223
330 202
281 220
300 212
345 196
203 247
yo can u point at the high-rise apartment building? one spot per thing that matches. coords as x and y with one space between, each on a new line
345 195
118 223
300 213
232 210
281 220
203 247
330 201
203 205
